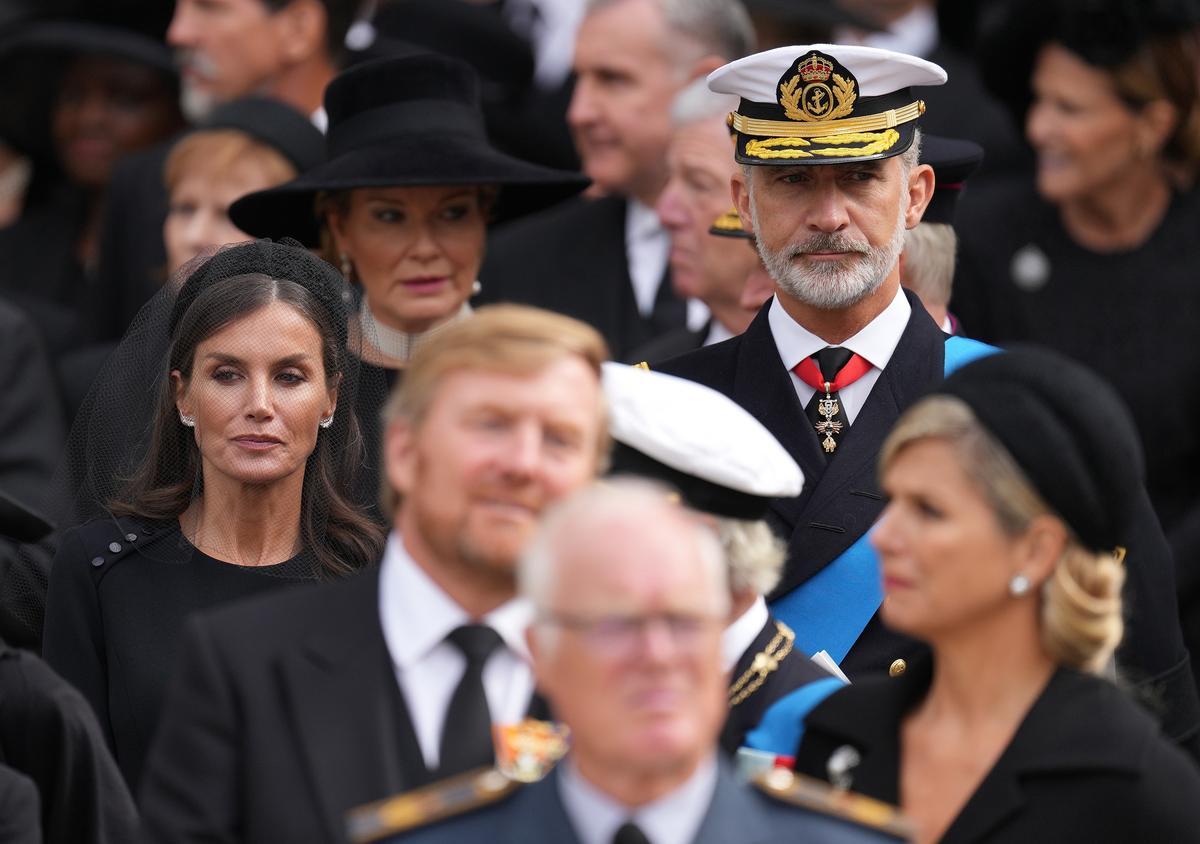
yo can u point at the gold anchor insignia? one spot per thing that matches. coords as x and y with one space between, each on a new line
815 101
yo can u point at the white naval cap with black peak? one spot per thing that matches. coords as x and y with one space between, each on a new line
720 458
824 103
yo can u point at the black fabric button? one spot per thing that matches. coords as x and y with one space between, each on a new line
97 561
114 547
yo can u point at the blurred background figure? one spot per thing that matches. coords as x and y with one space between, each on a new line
630 595
931 246
1096 255
104 91
285 50
240 485
604 259
699 165
402 204
963 107
1011 491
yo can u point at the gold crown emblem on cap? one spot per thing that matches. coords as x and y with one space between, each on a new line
816 69
816 100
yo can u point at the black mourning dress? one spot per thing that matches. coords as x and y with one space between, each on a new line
120 593
1133 316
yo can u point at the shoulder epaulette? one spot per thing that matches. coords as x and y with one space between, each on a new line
435 802
814 795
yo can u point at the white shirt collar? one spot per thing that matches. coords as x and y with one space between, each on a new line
674 818
717 332
876 341
320 119
642 222
740 635
417 615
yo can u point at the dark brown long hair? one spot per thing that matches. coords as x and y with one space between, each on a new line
169 477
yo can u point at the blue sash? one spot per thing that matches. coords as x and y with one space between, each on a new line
782 725
830 610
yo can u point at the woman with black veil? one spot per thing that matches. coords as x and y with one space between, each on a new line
402 205
210 462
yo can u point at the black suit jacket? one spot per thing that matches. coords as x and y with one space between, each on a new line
670 345
284 714
795 670
571 259
1084 765
842 499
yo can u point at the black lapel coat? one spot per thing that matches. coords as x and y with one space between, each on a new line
842 499
795 670
571 259
1086 764
284 713
670 345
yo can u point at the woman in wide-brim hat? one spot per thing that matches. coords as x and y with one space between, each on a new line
403 200
402 203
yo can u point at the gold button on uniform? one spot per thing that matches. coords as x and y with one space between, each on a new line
897 668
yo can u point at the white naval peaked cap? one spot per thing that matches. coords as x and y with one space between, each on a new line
824 103
756 77
699 433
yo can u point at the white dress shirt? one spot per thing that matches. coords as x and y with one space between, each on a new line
416 616
647 251
716 333
876 342
740 635
672 819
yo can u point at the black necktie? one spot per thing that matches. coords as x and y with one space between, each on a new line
629 833
829 426
467 734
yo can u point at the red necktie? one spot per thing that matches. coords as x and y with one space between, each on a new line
827 372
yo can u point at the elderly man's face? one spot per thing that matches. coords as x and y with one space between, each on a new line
492 451
830 234
700 163
634 666
625 77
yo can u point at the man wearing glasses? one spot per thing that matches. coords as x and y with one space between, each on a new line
630 596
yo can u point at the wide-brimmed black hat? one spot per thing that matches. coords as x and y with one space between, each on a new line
32 51
411 120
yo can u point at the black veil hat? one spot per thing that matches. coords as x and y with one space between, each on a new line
410 120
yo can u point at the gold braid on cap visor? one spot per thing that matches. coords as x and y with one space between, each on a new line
787 139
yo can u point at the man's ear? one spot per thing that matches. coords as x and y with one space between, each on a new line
704 66
920 192
741 198
400 459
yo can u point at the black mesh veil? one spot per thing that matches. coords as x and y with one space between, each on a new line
128 419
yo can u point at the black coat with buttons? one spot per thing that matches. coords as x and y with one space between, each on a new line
1085 764
120 592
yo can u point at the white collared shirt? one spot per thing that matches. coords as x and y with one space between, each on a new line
647 248
739 636
717 333
876 342
672 819
416 616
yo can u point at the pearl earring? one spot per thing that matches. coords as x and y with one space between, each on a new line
326 422
347 267
1018 586
188 421
476 287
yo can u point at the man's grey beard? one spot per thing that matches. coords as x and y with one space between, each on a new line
196 103
829 285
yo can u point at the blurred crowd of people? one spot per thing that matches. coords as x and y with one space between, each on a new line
319 320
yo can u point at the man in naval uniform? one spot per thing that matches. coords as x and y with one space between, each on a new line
830 180
630 598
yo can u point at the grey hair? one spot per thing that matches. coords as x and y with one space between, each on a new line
929 262
630 501
721 27
754 554
696 103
